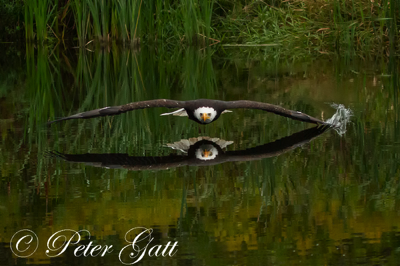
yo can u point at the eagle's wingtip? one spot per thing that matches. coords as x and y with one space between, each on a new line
54 121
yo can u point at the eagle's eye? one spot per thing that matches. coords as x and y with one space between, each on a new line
209 114
201 114
210 154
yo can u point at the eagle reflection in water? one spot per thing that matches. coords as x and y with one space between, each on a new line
199 151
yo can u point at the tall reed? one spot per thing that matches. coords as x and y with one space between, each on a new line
166 21
40 15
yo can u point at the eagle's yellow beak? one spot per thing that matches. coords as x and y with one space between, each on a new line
205 116
206 153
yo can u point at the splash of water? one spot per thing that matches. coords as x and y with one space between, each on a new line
340 119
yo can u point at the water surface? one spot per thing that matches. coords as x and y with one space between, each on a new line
331 200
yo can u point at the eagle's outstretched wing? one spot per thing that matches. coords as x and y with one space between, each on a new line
276 110
116 110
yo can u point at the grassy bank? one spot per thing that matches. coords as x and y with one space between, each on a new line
315 26
320 26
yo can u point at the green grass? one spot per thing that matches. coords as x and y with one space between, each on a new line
123 21
40 17
348 27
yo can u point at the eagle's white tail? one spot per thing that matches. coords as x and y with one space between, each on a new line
180 112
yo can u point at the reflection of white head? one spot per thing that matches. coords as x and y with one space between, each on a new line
205 114
206 152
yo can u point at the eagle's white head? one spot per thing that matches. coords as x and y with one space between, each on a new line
205 115
206 152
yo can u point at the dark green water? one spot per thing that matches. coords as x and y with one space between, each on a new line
332 200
